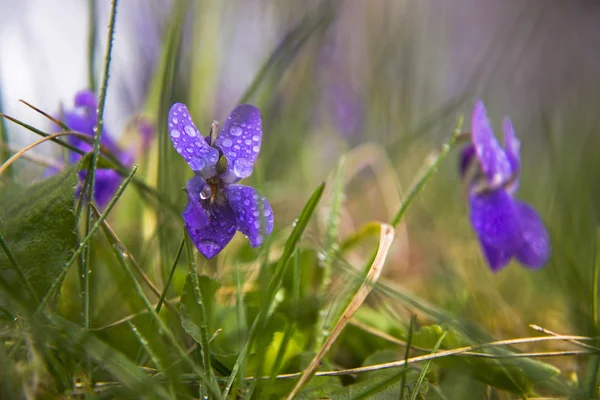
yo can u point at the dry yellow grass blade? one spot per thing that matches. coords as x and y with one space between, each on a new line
385 241
17 155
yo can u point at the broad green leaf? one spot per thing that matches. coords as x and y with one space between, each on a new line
38 225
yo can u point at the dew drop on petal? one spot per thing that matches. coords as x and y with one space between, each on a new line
242 168
256 138
256 213
235 131
255 149
206 192
267 213
190 131
175 133
226 142
175 120
248 142
189 149
246 202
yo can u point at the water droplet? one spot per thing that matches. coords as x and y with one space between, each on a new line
256 149
256 138
248 142
170 125
255 196
189 149
206 192
256 213
235 131
175 133
246 202
242 168
257 224
191 132
175 120
226 142
243 124
267 212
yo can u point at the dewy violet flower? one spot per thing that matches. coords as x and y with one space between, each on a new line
506 227
82 118
217 205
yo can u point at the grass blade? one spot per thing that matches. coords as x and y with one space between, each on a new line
385 242
426 367
274 284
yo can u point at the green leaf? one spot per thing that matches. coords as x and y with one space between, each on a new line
37 224
191 315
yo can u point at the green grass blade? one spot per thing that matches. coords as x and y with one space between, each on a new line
331 248
426 367
416 189
170 277
91 44
204 342
4 151
91 172
274 284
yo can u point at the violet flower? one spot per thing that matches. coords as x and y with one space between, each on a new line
506 227
82 118
217 205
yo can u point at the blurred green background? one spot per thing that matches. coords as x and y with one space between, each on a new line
381 83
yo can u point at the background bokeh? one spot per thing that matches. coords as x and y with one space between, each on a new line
381 82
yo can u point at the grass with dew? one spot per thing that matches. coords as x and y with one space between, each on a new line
363 290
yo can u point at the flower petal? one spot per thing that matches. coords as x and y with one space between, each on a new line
496 258
493 159
513 152
239 141
107 183
86 99
194 214
210 226
495 218
253 219
536 249
465 159
189 143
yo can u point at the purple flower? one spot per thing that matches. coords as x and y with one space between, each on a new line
82 118
506 227
217 205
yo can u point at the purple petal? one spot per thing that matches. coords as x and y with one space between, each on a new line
493 160
107 183
496 258
239 141
86 99
210 225
535 251
512 147
194 214
495 218
189 143
465 159
253 219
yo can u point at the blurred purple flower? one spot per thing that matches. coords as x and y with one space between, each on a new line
506 227
217 205
82 118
